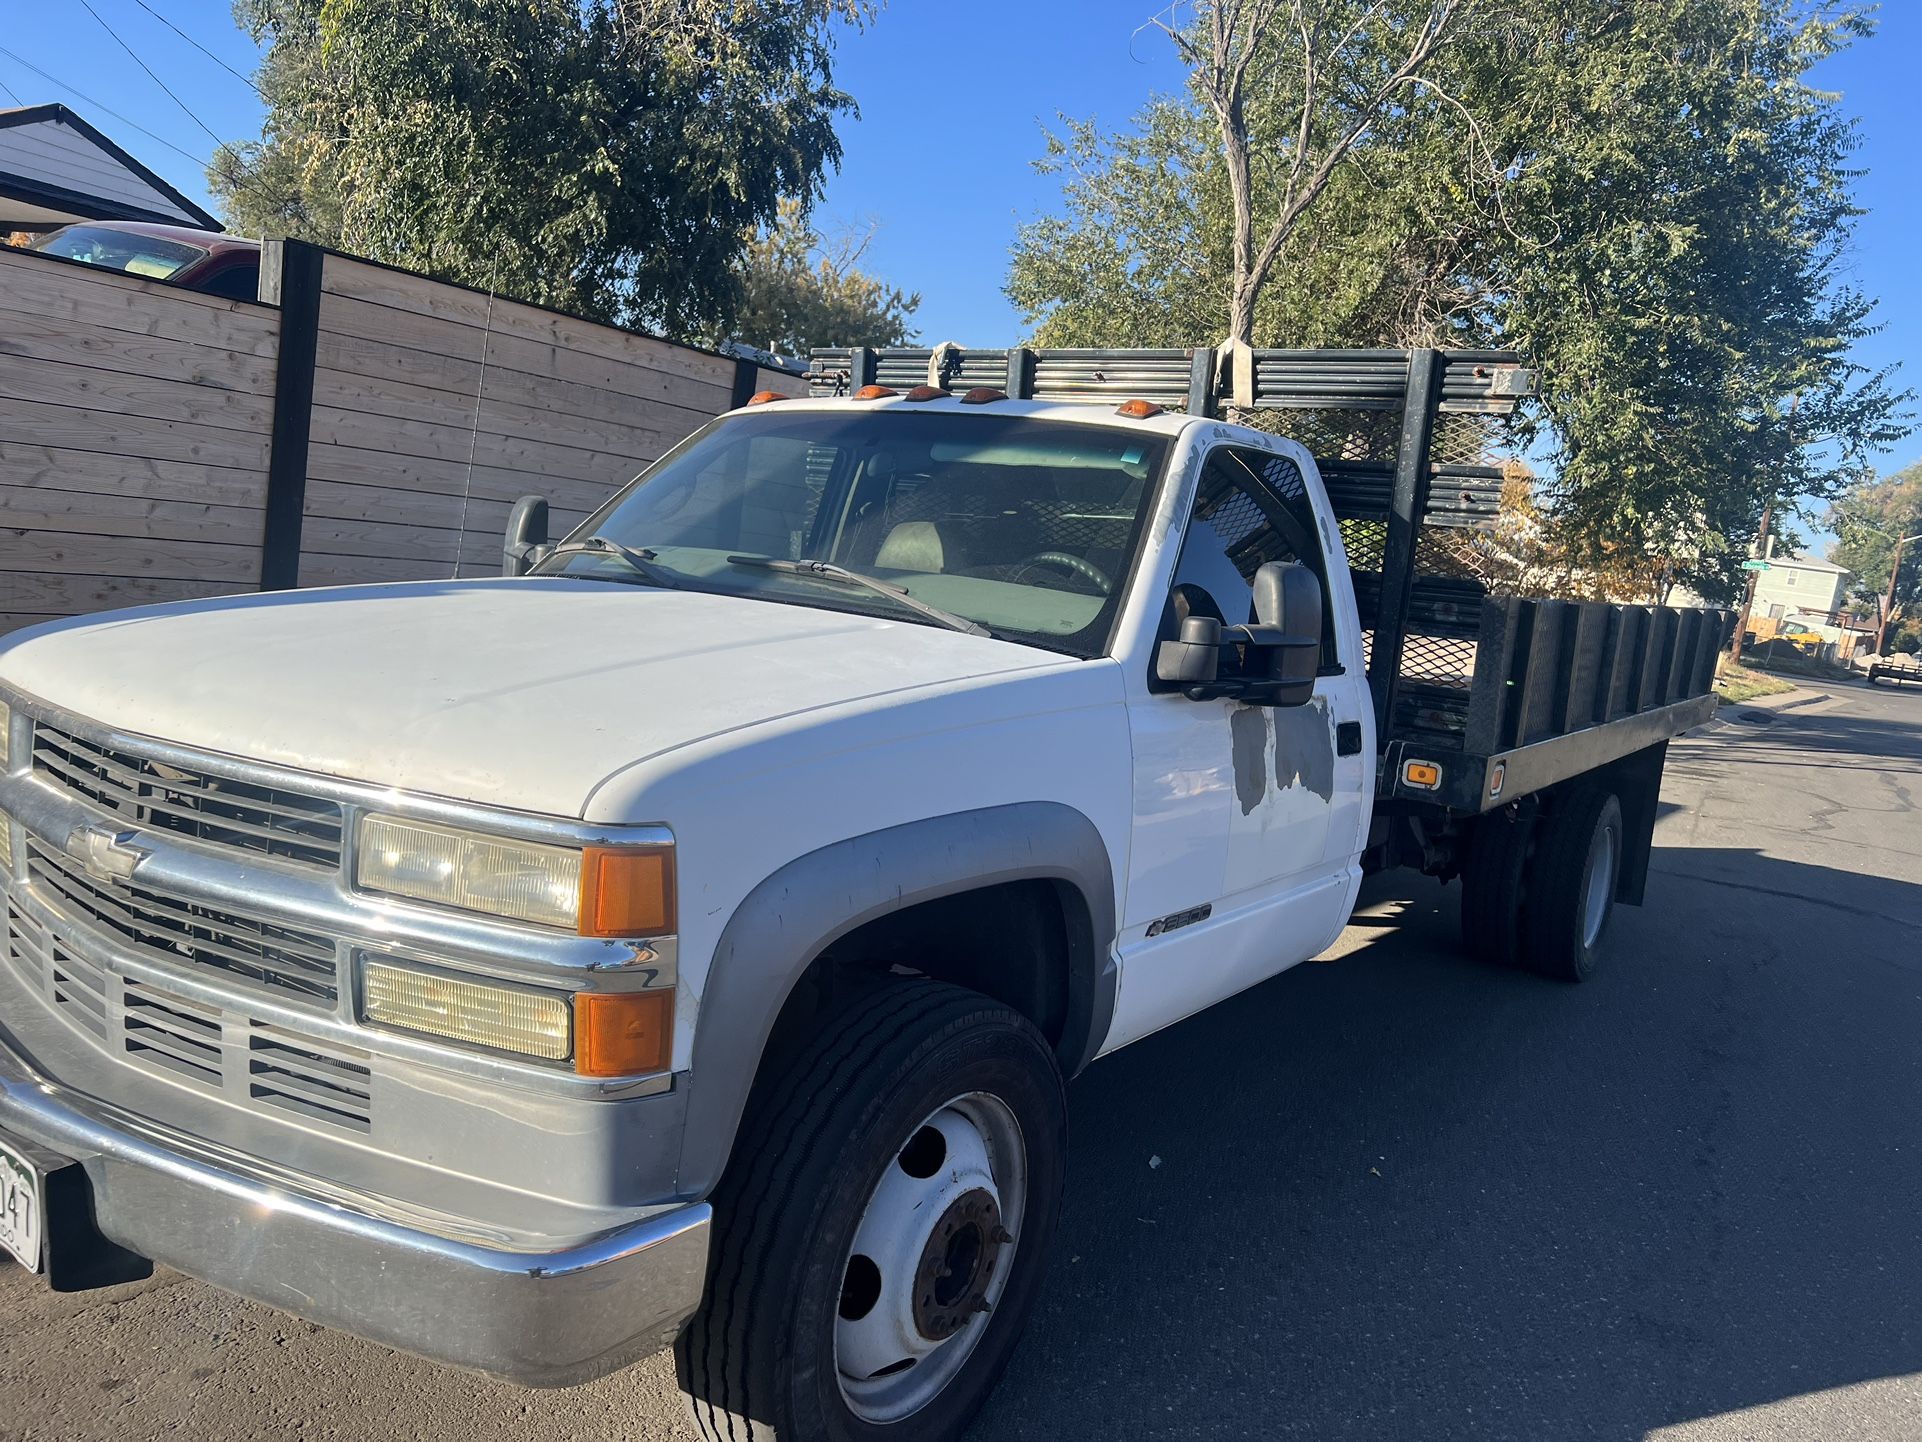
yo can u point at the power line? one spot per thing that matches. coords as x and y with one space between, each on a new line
211 135
243 79
247 171
250 172
88 99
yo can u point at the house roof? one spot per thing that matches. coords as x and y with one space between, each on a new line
55 168
1810 563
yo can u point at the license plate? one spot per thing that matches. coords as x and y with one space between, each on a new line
23 1200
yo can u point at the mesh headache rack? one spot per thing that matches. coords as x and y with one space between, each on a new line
1409 445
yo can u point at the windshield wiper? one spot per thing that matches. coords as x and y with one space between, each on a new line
640 559
841 575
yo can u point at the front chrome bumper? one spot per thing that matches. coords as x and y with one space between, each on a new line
543 1319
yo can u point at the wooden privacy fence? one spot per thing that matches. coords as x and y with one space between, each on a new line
361 424
136 422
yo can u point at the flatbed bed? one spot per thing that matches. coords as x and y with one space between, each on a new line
1895 670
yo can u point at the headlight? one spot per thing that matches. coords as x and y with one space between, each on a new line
532 1023
594 890
607 1034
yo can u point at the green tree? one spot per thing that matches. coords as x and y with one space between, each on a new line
1294 87
799 290
1649 200
1867 521
610 157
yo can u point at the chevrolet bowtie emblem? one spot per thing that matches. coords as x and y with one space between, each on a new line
106 855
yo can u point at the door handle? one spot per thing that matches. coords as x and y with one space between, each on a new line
1348 738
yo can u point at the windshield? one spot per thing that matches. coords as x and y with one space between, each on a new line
121 250
1027 527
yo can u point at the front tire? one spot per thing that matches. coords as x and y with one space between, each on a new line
881 1230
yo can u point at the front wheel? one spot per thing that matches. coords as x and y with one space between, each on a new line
881 1230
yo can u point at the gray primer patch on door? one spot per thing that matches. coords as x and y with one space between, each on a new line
1248 731
1304 750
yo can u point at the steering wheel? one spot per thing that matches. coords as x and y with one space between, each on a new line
1087 570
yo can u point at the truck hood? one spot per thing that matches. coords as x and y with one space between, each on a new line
516 693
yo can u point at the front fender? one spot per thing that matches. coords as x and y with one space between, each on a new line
790 918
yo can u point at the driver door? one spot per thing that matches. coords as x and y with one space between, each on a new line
1248 819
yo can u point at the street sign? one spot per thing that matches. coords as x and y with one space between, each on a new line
1755 565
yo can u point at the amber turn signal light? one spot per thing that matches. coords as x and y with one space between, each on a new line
621 1033
1138 410
875 393
1423 774
761 398
627 891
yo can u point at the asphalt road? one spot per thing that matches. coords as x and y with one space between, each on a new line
1394 1197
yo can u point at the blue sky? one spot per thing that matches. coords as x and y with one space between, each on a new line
953 102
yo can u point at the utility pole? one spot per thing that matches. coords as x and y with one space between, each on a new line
1763 548
1748 600
1888 602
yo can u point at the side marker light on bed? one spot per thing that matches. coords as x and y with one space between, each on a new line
1422 775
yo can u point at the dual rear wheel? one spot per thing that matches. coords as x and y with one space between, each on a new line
1538 888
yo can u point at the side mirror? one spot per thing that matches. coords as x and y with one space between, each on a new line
1283 646
1288 597
1195 658
526 536
1287 634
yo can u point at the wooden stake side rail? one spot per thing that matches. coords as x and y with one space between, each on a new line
1595 676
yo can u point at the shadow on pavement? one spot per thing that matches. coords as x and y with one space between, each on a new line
1406 1197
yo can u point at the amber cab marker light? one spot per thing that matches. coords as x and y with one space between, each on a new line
761 398
627 891
875 393
924 393
1138 410
982 395
623 1033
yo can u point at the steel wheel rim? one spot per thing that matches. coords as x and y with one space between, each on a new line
924 1253
1598 887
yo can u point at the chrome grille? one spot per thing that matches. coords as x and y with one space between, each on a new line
321 1080
210 808
172 1032
78 987
283 959
309 1078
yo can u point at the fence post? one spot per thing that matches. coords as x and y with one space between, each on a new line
290 277
747 375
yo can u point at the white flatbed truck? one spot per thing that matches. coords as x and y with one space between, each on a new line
685 938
